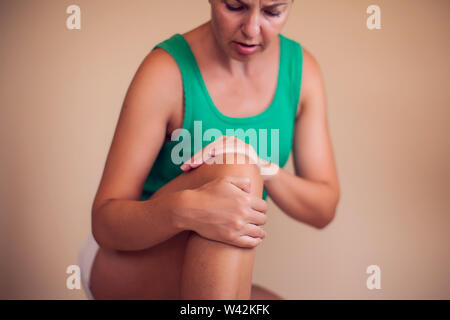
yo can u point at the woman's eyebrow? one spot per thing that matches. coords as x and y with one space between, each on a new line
276 5
266 6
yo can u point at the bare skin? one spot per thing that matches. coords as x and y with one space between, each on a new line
187 266
155 273
153 108
212 269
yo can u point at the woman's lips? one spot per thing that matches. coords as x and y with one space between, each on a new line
244 49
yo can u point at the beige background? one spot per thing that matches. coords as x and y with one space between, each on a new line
388 100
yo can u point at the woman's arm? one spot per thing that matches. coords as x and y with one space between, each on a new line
119 219
312 195
122 224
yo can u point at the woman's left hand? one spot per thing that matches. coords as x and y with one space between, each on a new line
230 144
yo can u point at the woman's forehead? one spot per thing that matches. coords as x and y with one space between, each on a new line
263 2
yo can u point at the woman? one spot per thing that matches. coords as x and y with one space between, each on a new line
165 231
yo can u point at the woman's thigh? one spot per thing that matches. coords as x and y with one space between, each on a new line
154 273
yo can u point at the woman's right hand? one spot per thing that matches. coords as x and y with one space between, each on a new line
224 210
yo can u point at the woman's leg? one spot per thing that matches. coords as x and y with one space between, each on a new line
155 273
261 293
215 270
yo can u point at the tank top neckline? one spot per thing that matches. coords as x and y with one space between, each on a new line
250 119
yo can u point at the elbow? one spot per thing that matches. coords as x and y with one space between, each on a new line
100 224
99 232
101 237
325 219
328 214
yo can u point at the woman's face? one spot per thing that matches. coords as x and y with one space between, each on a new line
251 22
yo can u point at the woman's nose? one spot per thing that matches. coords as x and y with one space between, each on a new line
251 25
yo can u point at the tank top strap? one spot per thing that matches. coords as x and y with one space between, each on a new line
179 49
293 71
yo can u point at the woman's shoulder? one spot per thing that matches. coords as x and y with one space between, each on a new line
161 63
159 79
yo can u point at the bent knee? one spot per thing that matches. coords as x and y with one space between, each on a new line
234 165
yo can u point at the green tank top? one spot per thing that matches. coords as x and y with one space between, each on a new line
275 123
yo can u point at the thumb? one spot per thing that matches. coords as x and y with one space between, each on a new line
243 183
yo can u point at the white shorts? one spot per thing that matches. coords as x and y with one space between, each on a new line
86 257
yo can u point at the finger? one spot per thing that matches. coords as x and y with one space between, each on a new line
185 167
195 161
243 183
242 147
258 204
248 242
209 150
253 231
256 218
244 150
267 169
220 146
204 155
233 145
198 158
